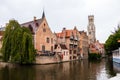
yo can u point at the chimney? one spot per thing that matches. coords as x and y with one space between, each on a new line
64 34
64 28
34 18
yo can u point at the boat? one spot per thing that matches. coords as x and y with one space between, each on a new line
116 55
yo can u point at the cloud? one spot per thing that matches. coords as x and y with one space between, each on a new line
65 13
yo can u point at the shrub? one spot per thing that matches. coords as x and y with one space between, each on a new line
94 56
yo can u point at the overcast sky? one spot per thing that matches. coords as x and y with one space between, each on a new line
65 13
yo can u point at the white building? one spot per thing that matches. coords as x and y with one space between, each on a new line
62 51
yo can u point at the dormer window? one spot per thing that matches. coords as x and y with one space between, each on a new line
37 24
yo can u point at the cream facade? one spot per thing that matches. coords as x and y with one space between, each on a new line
62 51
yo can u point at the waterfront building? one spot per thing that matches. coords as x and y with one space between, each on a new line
71 39
98 48
43 38
84 46
62 51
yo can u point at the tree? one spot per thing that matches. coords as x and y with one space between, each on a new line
112 41
17 44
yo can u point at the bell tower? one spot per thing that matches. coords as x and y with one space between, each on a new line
91 29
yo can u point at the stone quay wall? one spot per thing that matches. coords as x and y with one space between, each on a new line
47 59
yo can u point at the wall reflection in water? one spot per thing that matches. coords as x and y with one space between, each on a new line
76 70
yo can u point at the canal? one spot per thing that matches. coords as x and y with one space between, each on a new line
76 70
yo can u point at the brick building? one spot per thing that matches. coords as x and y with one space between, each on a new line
71 39
84 46
43 38
98 48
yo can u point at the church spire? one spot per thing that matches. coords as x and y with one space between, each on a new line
43 15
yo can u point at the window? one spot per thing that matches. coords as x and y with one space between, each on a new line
74 57
70 57
52 40
64 53
70 51
44 30
74 51
44 24
48 40
52 48
37 24
89 32
91 20
43 48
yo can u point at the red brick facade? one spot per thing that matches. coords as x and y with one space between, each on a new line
43 37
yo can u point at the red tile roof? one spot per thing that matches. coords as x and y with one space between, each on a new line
68 33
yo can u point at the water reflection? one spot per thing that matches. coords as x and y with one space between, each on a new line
76 70
16 72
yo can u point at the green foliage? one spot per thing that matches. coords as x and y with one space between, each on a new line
112 41
17 44
94 56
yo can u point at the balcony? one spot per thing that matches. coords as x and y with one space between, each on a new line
76 39
71 42
75 43
71 37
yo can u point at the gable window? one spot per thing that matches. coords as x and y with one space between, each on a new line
47 40
44 30
44 24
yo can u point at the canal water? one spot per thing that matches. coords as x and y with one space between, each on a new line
76 70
